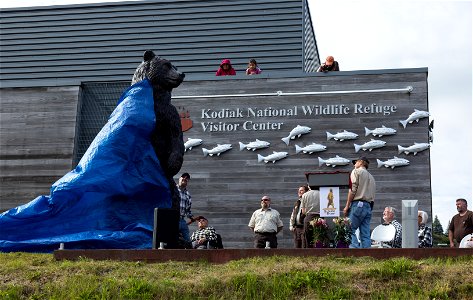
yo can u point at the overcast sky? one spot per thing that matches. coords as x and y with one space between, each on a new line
387 34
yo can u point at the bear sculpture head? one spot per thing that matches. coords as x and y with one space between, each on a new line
159 71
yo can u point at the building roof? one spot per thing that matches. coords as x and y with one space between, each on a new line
68 44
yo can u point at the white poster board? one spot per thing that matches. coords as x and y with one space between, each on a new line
329 202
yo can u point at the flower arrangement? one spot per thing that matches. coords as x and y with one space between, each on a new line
319 232
342 231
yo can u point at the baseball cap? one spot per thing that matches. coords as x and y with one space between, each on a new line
363 158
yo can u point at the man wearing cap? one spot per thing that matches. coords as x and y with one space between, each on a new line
185 206
203 235
360 202
265 223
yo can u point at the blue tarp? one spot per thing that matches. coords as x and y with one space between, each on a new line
108 200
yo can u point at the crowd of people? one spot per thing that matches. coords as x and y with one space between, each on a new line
226 68
265 223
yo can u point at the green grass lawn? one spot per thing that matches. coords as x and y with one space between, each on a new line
39 276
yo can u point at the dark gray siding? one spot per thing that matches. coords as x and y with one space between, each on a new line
66 45
38 127
228 188
311 53
37 131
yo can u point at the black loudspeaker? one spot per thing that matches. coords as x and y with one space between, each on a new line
166 227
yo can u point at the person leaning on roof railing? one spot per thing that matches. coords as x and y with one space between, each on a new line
225 69
330 64
253 68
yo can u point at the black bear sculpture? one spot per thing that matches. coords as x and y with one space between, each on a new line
167 137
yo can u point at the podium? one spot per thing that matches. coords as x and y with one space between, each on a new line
166 227
339 179
323 181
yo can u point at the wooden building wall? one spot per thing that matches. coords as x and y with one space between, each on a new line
69 44
228 188
37 131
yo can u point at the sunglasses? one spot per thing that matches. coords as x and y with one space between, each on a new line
265 200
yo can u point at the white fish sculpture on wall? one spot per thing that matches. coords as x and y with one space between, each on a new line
415 116
296 132
380 131
314 147
417 147
191 143
334 161
373 144
217 150
254 145
393 162
341 136
272 157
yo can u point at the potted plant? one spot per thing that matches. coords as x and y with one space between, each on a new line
342 232
319 232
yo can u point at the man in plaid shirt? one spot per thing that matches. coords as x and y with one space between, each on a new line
203 235
185 206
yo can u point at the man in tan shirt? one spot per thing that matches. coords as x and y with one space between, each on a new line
360 201
310 207
296 225
265 223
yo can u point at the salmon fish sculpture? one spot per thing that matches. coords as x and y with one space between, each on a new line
314 147
296 132
217 150
272 157
416 148
393 162
334 161
373 144
380 131
254 145
415 116
341 136
191 143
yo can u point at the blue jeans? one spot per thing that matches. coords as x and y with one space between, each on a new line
360 217
184 229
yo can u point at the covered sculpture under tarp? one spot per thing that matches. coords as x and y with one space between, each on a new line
108 200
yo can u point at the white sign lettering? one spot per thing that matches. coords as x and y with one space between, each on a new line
212 117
